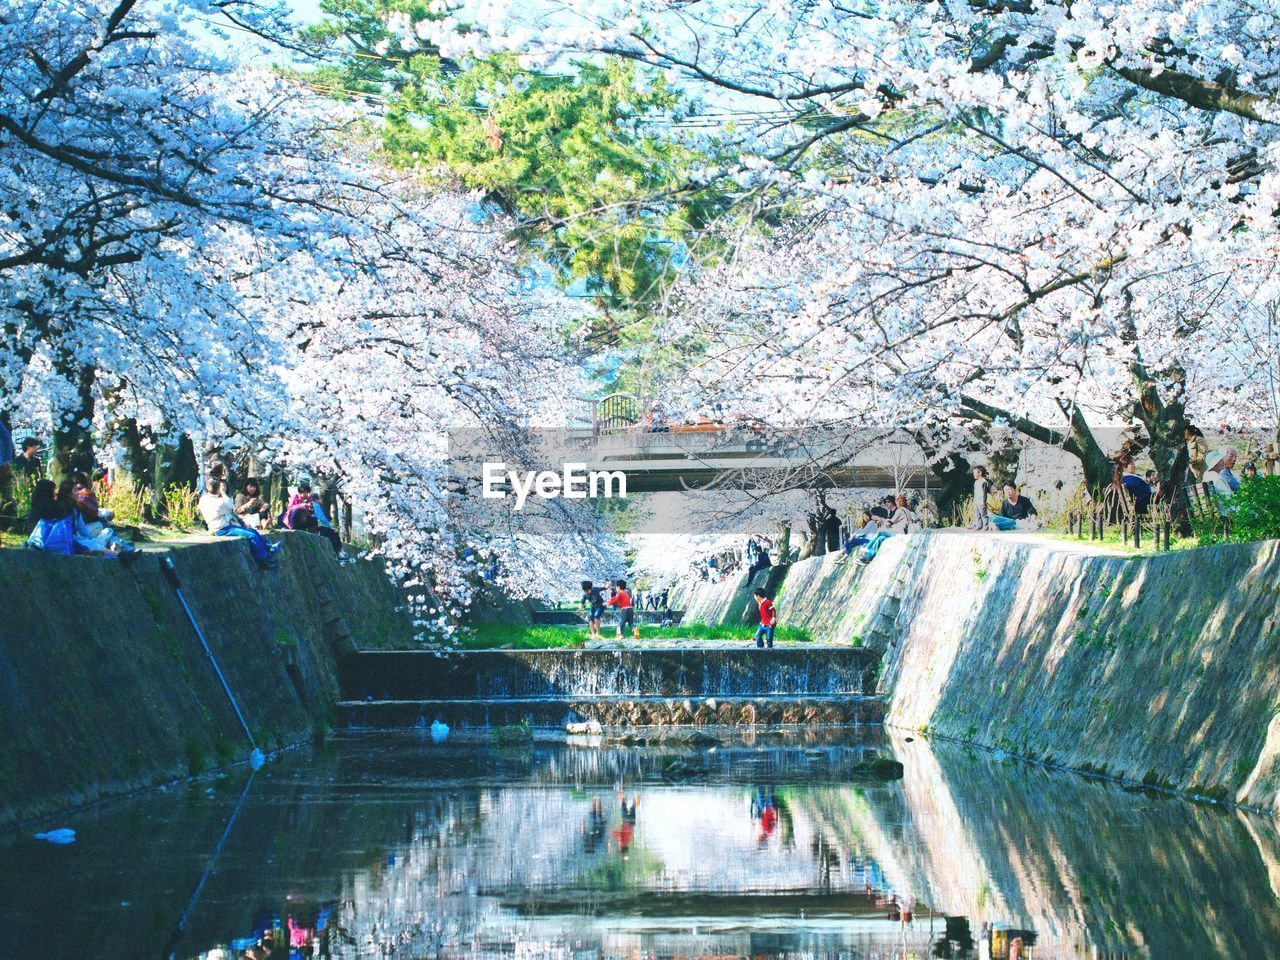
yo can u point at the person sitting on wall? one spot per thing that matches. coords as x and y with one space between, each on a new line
1016 512
900 518
92 520
759 561
220 517
307 514
867 529
251 507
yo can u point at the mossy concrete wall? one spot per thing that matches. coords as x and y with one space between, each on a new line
1162 670
104 687
834 602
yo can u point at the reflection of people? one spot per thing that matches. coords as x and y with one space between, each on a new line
593 829
627 828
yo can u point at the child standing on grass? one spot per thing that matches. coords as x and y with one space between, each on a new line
981 490
593 603
626 612
768 619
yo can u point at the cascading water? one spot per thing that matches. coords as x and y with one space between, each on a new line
812 684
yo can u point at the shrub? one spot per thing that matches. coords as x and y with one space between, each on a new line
126 499
182 507
1254 511
21 489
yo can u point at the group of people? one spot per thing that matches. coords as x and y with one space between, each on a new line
594 603
249 514
1016 511
720 566
67 519
1216 468
894 515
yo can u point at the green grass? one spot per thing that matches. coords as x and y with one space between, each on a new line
1112 541
489 636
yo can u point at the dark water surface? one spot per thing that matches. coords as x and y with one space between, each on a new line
766 846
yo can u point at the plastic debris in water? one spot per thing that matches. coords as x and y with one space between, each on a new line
62 835
439 732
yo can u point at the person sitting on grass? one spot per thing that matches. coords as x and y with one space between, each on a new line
92 520
626 613
251 507
867 529
45 504
593 603
1016 512
220 517
768 619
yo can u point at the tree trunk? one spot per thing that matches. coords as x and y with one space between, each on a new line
782 543
173 465
72 437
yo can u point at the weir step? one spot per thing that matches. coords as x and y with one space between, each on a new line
807 671
614 711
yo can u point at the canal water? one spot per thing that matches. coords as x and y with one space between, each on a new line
769 844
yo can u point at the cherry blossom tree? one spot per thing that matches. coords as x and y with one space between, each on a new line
1026 217
192 247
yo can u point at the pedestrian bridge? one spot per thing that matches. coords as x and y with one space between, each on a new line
660 455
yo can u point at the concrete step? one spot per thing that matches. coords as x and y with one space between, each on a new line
616 711
810 670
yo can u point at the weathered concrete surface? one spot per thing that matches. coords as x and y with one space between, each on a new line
740 711
1163 670
104 687
837 603
1160 669
729 602
671 673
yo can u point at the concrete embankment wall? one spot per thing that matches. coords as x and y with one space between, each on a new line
1161 669
104 687
836 603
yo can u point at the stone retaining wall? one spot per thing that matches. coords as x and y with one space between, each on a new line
104 687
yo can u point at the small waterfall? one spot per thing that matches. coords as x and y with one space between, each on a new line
670 674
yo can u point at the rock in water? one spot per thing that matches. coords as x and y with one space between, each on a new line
590 728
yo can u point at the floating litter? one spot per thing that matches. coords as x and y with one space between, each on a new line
439 732
64 835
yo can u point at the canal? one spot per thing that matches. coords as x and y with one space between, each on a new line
767 843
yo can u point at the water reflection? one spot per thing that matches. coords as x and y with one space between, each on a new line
762 847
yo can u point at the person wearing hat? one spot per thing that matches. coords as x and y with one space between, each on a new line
1219 471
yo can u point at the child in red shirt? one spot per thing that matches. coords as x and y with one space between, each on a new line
768 619
626 613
